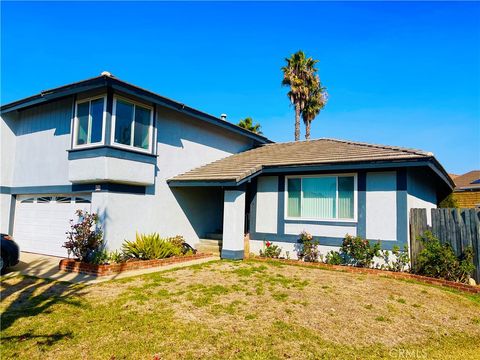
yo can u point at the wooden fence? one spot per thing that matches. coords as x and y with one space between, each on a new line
458 227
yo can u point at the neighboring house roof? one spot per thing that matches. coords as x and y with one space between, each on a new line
115 83
468 181
239 167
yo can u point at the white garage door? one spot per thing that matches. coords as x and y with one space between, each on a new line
41 221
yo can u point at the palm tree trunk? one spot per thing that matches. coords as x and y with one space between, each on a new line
307 130
297 122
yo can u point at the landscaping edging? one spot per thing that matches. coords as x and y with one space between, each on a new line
72 265
391 274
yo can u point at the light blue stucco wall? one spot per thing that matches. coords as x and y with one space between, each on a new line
40 155
421 193
381 212
42 138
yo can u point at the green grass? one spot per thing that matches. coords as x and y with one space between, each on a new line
236 310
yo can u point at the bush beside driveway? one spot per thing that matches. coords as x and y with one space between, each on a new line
246 310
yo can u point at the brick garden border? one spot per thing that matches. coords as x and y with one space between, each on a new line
72 265
390 274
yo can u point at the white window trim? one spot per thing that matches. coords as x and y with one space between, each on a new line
54 197
75 122
150 128
300 218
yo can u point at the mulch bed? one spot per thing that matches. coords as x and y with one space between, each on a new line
390 274
72 265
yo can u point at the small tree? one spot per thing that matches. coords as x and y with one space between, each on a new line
247 124
85 237
449 202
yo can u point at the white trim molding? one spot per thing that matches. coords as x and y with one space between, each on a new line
89 131
132 134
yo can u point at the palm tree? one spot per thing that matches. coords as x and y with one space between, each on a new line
315 103
299 74
247 123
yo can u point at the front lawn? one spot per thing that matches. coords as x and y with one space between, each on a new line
245 310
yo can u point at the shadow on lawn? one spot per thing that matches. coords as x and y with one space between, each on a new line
47 340
36 296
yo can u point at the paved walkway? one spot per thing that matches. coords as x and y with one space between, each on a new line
46 267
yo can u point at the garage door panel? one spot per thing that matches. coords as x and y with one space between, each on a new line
42 227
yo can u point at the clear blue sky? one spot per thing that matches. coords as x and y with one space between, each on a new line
397 73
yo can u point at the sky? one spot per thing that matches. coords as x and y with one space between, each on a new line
397 73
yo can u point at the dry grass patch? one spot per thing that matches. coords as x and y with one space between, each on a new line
237 310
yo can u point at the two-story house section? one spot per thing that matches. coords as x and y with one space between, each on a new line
106 146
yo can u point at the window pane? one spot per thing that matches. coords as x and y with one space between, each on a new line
82 125
96 111
29 201
80 200
142 124
345 197
294 192
44 199
319 197
123 122
64 199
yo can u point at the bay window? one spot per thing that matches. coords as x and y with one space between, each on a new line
89 121
132 124
322 197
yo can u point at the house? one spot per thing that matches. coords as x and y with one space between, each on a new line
146 163
467 189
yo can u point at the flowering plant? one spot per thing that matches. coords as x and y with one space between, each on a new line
270 250
310 250
85 237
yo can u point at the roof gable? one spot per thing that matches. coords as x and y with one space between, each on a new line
115 83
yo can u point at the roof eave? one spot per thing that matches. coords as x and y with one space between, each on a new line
104 81
285 169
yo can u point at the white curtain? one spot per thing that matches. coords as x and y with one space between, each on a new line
319 197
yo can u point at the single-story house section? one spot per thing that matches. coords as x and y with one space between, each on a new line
326 187
146 163
467 189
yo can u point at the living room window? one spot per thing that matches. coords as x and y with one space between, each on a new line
89 121
132 124
321 197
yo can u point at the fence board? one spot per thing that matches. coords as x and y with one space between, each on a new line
460 228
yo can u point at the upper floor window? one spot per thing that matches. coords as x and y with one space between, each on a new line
323 197
132 124
89 121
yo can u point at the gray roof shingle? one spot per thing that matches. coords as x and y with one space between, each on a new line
321 151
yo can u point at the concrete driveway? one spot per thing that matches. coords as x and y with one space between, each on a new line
46 267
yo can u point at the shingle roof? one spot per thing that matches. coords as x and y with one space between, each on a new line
322 151
470 180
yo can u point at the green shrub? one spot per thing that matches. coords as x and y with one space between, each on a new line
310 250
85 237
176 240
270 250
449 202
358 252
334 258
150 246
401 261
104 257
438 260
